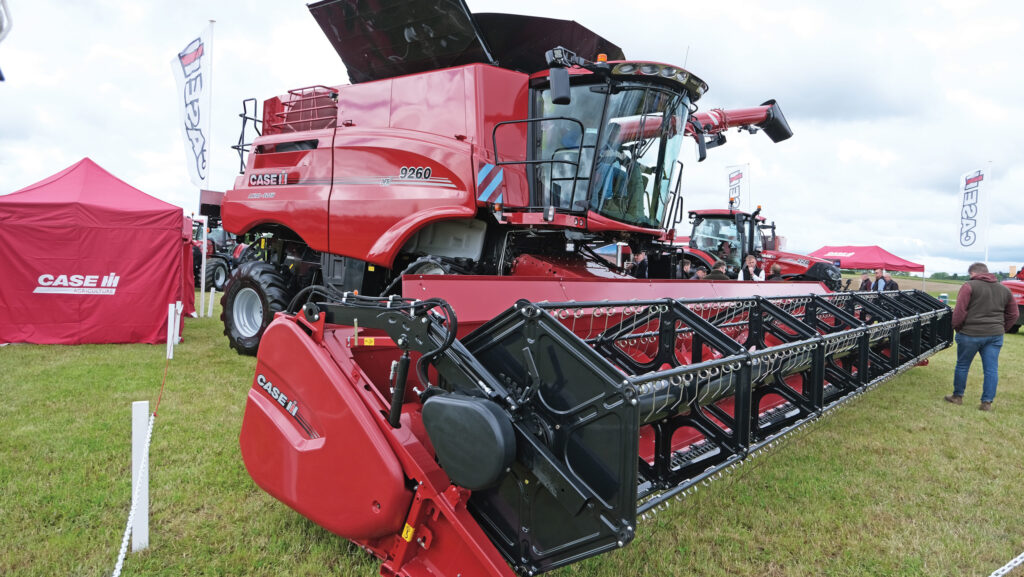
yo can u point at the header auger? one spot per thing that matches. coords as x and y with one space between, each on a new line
538 438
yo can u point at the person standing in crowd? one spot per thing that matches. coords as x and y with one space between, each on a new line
701 274
865 282
718 271
640 267
879 281
985 310
686 269
890 285
777 272
750 270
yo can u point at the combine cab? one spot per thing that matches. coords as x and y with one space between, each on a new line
507 402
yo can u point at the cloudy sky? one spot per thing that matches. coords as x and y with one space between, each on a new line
890 101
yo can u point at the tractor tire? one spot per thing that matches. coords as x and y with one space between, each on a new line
1014 329
217 273
256 291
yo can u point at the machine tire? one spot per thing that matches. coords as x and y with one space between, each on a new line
256 291
217 273
1014 329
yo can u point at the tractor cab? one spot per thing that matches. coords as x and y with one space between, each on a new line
729 235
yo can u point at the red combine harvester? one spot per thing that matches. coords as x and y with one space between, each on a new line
520 404
472 169
729 235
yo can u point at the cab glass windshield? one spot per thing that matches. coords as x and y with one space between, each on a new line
610 151
718 237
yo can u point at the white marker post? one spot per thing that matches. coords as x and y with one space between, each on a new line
170 331
178 307
140 475
209 307
205 221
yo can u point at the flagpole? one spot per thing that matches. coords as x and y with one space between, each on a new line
988 211
209 165
750 188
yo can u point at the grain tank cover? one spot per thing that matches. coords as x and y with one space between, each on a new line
519 42
379 39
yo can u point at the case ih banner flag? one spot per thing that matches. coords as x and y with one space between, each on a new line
193 72
738 183
973 212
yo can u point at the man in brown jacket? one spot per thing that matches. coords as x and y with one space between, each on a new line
984 311
718 271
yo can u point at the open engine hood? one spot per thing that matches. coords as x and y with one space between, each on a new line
379 39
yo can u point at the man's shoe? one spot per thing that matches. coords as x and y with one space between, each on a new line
985 406
956 399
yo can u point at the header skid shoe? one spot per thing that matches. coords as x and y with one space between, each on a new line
567 420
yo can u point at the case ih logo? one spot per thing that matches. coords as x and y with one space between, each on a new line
271 179
191 59
289 406
839 254
77 284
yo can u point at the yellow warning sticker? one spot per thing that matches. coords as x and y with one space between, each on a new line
368 341
408 532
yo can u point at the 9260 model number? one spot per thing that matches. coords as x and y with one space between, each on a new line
414 172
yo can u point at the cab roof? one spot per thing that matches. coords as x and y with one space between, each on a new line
712 212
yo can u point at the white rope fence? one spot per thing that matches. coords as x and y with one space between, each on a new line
140 481
1005 569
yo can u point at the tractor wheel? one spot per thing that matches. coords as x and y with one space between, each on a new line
1014 329
255 293
217 273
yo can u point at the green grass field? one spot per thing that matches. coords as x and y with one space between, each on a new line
897 483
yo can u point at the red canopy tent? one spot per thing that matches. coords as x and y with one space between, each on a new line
89 259
866 257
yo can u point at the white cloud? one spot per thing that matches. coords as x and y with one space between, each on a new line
890 102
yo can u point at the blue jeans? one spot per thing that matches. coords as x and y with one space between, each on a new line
968 346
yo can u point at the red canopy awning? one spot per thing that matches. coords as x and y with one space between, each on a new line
866 257
88 258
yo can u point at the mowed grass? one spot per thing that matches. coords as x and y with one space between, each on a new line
898 483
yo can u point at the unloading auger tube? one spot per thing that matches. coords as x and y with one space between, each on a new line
542 435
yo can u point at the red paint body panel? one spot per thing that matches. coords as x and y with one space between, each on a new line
1016 287
352 478
350 196
373 212
346 478
464 292
529 265
299 206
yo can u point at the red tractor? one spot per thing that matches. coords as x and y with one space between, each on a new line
223 254
457 383
729 235
1016 286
